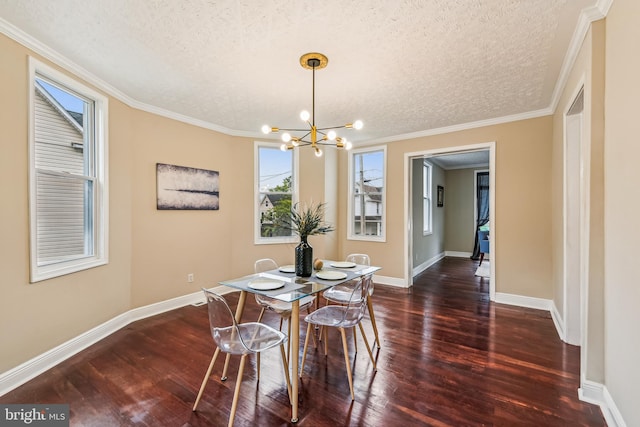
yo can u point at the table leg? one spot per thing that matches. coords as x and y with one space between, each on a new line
239 310
295 351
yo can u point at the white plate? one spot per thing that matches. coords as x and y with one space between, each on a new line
331 275
265 284
343 264
287 268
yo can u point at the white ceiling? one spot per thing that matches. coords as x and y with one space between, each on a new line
401 66
462 160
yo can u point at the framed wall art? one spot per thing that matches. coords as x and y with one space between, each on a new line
184 188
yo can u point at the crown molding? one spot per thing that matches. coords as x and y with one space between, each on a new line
461 127
587 16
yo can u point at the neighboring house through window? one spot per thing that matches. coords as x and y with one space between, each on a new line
275 189
68 187
367 194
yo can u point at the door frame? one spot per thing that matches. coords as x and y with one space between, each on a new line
408 220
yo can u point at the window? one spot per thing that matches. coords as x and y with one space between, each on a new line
276 190
427 211
367 194
68 187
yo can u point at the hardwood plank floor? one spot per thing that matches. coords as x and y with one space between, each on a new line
449 357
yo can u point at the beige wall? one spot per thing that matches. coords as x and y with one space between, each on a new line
622 208
36 317
523 203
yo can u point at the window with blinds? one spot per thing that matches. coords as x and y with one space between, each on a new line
68 198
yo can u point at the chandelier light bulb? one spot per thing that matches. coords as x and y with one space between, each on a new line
266 129
348 145
331 135
286 137
357 125
304 115
318 152
283 147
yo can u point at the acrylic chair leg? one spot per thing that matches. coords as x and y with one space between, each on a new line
236 394
306 343
206 377
258 365
355 340
326 341
366 344
346 361
373 321
226 367
261 314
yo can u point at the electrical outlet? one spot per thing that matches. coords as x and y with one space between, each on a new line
190 277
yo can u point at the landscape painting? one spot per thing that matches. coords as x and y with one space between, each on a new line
184 188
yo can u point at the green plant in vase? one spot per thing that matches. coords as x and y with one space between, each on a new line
305 221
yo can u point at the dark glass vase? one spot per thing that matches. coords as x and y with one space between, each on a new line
304 259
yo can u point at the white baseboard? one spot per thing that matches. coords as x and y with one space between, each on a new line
458 254
22 373
428 263
522 301
598 394
557 321
391 281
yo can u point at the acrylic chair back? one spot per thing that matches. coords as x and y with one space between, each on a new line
224 329
360 259
264 264
357 305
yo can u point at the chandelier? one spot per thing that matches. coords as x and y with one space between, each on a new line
313 136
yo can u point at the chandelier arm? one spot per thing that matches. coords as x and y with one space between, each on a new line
331 127
293 130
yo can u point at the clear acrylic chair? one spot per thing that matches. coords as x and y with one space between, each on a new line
241 339
342 317
272 304
341 293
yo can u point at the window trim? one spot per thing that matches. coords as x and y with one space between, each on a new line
101 198
350 191
427 229
257 238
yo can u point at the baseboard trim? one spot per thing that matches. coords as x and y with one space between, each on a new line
26 371
523 301
391 281
598 394
557 321
428 263
458 254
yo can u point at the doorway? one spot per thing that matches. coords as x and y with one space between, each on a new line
574 277
411 199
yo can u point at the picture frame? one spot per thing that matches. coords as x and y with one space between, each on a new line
440 196
185 188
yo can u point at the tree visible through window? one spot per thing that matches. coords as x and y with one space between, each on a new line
275 191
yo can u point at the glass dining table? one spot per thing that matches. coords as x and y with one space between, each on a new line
282 284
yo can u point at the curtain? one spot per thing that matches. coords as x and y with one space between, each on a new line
482 215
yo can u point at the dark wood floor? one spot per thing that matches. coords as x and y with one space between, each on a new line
449 357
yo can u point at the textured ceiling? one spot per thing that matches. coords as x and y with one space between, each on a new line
401 66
